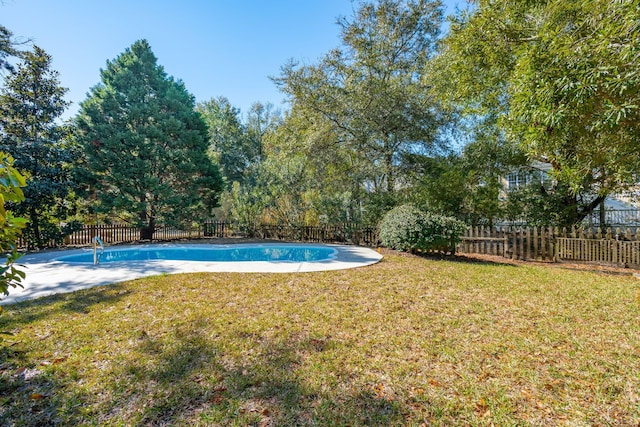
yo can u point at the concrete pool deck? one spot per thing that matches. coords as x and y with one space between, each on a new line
46 275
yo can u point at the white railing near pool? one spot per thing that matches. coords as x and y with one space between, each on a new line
97 242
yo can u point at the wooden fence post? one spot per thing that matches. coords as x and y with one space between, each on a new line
554 245
505 242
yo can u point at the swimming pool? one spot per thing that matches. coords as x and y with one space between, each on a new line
271 253
52 272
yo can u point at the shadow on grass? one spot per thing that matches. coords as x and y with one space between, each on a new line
186 375
56 278
493 260
189 378
32 397
78 302
31 394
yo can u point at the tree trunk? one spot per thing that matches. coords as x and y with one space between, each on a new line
391 181
35 225
146 233
574 214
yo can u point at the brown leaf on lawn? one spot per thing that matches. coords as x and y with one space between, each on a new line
37 396
379 390
59 360
482 409
215 399
217 395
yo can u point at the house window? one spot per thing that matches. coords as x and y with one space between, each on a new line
517 180
522 178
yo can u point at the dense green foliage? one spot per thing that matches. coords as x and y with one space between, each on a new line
401 228
10 226
230 144
31 103
562 78
145 146
392 115
406 227
370 92
306 177
340 152
467 184
8 48
11 183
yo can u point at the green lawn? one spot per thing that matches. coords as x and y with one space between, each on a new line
408 341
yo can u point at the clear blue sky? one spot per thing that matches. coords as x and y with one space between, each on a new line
217 47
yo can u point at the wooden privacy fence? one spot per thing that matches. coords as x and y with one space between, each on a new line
620 247
122 233
342 233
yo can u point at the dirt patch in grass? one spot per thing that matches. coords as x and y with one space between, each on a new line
408 341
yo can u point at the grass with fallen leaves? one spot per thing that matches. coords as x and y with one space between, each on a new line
408 341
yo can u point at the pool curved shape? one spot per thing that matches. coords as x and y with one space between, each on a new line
270 253
71 270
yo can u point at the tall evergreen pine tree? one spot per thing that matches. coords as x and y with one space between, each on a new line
145 146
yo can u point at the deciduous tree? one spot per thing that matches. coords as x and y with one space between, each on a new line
229 143
260 120
371 88
11 182
563 78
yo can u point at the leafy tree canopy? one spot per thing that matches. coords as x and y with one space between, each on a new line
230 144
370 90
261 119
562 76
145 145
8 49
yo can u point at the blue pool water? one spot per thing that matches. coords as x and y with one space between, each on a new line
286 253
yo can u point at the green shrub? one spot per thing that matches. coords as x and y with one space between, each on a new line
408 228
442 232
51 233
402 228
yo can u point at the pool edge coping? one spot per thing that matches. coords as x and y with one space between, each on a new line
46 276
